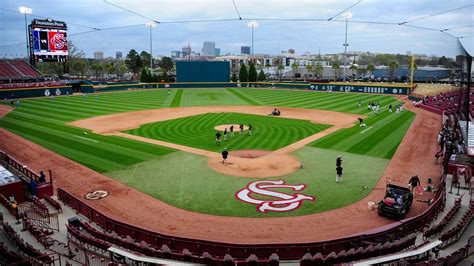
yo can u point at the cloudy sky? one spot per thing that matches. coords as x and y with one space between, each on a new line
271 36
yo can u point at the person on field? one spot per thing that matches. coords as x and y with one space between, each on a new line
390 108
225 134
241 127
231 129
414 182
338 161
361 122
360 104
218 137
339 174
225 154
250 130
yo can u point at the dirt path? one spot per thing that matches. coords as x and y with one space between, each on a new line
4 110
414 156
277 163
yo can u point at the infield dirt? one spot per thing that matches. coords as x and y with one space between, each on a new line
414 156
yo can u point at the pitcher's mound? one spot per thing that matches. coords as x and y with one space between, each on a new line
236 127
255 164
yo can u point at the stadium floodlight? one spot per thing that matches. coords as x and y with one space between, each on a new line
151 25
26 11
253 25
346 15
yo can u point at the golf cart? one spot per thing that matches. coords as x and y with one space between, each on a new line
396 203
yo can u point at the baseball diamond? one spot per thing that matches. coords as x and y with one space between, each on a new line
136 162
299 133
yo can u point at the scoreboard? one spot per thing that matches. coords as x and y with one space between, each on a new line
48 41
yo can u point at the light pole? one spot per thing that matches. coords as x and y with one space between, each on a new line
346 15
252 24
26 11
151 25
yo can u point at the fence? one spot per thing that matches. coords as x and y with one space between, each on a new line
288 251
39 216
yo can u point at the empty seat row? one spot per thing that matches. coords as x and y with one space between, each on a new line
359 253
24 246
446 219
454 232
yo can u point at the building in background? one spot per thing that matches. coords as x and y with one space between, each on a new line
217 52
118 55
99 55
291 51
245 50
208 48
186 51
176 54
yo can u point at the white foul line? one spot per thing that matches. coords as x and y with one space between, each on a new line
85 138
363 131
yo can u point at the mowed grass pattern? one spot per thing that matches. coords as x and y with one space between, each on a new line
43 121
380 138
269 133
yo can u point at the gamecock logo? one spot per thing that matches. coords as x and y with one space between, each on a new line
283 203
59 41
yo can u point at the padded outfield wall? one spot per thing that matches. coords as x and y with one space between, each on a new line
376 88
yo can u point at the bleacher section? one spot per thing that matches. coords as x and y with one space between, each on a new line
445 102
31 84
17 70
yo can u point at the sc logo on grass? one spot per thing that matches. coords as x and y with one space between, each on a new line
283 203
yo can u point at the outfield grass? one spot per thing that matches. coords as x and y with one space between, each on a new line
43 121
185 181
269 133
160 171
380 138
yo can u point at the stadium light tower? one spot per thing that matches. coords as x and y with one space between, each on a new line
151 25
253 25
26 11
346 15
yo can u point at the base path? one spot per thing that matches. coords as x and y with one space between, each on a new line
277 163
4 110
413 156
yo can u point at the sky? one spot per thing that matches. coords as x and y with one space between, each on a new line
270 37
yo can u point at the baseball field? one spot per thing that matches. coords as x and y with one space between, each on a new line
163 169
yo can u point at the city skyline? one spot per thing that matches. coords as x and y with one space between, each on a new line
271 37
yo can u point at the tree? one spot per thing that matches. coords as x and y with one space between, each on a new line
122 69
145 58
110 68
252 73
370 68
295 67
133 61
280 69
261 76
353 68
267 65
98 68
335 67
319 70
309 68
234 77
146 75
243 74
79 66
166 63
391 68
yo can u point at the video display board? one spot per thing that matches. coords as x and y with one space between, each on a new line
48 40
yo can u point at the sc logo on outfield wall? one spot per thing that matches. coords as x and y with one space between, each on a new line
283 202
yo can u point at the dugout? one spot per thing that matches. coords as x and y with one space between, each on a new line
202 71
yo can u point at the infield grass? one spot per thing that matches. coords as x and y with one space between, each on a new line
268 133
185 181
